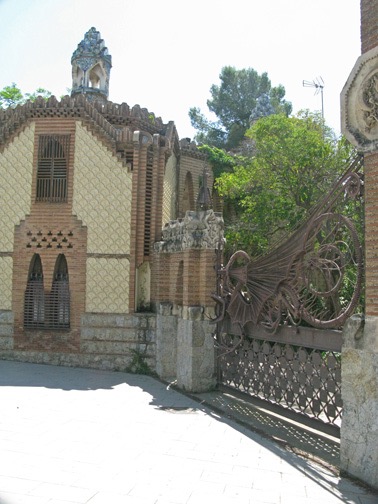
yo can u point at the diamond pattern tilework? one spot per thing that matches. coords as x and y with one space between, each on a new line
102 195
169 190
16 169
6 268
107 285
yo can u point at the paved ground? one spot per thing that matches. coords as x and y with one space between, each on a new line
96 437
295 432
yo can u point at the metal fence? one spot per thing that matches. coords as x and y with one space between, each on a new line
297 368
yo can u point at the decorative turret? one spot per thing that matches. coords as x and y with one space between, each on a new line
91 66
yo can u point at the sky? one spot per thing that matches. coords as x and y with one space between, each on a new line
166 54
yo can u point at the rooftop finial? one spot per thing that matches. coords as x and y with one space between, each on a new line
91 66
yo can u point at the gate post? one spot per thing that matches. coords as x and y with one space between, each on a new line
359 387
359 105
195 352
166 342
185 270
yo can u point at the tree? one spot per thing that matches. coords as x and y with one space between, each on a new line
295 162
11 96
242 97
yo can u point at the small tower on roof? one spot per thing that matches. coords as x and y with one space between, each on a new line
91 66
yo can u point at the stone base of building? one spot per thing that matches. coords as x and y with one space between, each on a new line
176 344
118 342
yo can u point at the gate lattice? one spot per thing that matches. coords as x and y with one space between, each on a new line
312 279
286 369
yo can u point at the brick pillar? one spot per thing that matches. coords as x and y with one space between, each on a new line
359 378
371 233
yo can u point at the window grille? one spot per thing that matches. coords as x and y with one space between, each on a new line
47 311
148 204
34 305
60 296
52 168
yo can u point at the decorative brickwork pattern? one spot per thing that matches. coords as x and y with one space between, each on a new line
184 262
192 161
6 270
16 168
102 196
170 192
107 285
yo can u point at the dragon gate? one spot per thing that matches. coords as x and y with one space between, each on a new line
279 316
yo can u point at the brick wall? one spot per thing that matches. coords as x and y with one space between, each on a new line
192 164
49 230
371 233
369 24
369 40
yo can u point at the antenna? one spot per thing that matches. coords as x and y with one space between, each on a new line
318 84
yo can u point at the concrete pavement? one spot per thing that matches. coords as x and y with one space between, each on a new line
98 437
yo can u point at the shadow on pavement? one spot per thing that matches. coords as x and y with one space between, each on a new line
170 401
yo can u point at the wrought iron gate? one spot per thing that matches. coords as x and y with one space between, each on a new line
267 305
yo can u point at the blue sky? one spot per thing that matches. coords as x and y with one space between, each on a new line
167 53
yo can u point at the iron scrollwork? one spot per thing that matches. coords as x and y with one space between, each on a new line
315 276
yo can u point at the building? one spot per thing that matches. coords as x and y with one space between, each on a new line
86 186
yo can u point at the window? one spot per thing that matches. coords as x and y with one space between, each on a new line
52 168
43 310
34 306
60 296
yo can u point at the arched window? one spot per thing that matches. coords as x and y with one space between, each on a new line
34 301
59 305
96 77
52 168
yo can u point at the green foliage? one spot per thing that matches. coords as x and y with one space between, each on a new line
295 161
138 364
220 160
242 97
11 96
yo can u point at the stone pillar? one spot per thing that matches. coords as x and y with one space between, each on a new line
195 351
359 379
166 342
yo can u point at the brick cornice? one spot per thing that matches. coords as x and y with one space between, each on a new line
110 122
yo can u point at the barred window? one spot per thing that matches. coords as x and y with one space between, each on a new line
53 153
60 296
34 303
43 310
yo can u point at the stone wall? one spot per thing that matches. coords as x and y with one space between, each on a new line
359 378
108 341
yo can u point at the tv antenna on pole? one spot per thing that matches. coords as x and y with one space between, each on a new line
318 84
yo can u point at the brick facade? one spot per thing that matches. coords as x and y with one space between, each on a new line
369 40
125 173
369 24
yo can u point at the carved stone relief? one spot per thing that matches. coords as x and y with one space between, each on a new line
359 103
